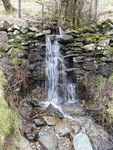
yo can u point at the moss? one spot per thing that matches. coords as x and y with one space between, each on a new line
89 29
89 40
81 30
18 61
9 125
16 40
108 21
14 52
111 44
98 25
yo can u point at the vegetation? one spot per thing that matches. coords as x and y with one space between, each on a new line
9 125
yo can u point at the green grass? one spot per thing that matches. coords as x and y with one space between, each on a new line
109 11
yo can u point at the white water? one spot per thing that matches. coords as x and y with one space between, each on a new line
59 89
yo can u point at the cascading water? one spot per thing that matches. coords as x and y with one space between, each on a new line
59 89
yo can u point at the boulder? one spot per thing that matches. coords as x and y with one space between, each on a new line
3 41
64 39
82 142
51 110
4 25
48 141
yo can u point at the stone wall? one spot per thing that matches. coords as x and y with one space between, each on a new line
87 51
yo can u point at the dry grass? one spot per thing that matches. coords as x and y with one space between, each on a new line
31 11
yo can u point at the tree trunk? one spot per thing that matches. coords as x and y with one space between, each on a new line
19 8
7 5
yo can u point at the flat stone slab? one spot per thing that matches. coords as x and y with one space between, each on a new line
82 142
48 141
73 109
51 120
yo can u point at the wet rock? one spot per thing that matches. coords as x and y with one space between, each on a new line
81 141
33 103
3 41
48 141
64 39
4 25
51 120
39 122
90 47
51 110
73 109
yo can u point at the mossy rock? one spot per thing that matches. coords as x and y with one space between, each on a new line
13 52
89 29
98 25
81 30
93 38
16 40
111 44
18 61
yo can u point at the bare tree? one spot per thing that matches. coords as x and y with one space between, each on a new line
7 5
19 8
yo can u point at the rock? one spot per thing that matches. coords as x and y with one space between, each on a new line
73 109
64 39
30 34
16 32
24 143
104 69
76 129
33 103
16 27
4 25
43 33
89 66
24 30
33 29
31 137
90 47
51 121
101 143
3 41
39 122
104 43
63 130
48 141
31 67
51 110
110 32
82 142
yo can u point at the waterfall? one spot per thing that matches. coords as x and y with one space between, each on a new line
58 88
